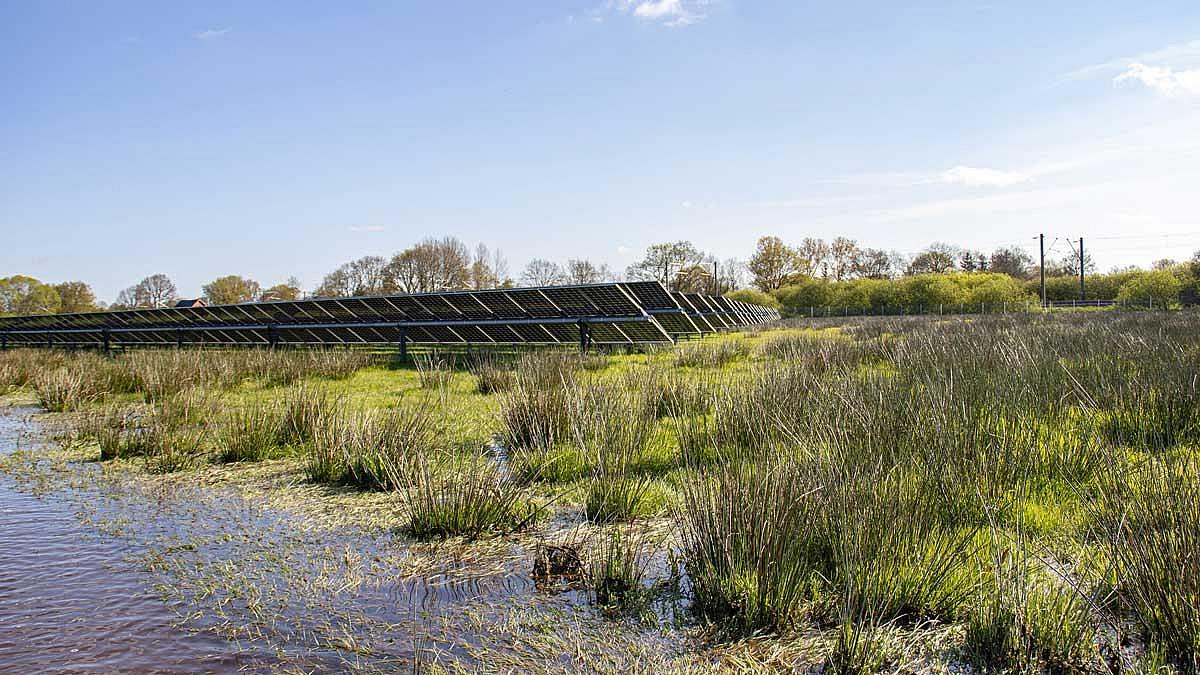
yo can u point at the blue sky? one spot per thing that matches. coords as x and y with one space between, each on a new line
272 139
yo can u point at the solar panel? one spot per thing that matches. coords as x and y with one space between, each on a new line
610 313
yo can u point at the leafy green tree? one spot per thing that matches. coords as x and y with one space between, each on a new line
20 294
288 290
231 290
1159 288
76 296
774 264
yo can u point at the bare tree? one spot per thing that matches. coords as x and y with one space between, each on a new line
1013 261
814 256
939 258
156 290
541 272
663 262
488 268
843 253
365 276
874 263
434 265
583 271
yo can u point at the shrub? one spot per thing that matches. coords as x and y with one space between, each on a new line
754 297
1159 288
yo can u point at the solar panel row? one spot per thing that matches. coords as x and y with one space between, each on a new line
611 313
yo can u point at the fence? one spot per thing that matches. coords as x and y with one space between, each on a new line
829 311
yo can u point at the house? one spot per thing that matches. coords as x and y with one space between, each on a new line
198 302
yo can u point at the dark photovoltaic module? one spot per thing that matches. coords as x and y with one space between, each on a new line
607 313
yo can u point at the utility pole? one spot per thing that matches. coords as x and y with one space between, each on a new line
1082 292
716 283
1042 248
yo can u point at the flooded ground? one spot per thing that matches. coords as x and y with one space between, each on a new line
101 571
69 601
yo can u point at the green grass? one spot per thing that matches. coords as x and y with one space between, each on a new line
1029 480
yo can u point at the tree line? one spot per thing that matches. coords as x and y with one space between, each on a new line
794 277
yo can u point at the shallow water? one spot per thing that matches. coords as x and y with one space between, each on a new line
101 573
68 600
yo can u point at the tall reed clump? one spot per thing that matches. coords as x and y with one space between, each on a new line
65 389
610 427
617 566
116 431
371 450
768 541
751 539
535 420
448 496
176 436
710 353
434 371
18 367
493 373
250 433
263 429
160 374
1150 516
1027 617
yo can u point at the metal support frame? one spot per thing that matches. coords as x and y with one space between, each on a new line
585 336
636 314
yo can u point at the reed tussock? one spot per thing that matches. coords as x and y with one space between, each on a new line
370 449
447 496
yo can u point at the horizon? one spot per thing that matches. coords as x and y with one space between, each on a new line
275 141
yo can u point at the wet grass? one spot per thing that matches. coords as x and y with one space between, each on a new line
1009 492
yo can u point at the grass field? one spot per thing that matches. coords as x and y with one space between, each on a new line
1000 493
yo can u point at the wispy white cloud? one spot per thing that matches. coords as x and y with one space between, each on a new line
366 228
977 177
1176 54
1162 79
1026 201
210 33
671 13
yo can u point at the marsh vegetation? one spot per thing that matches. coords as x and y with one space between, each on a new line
1005 493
